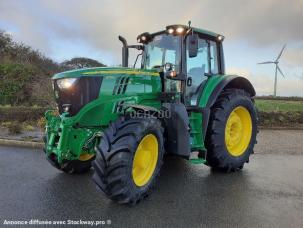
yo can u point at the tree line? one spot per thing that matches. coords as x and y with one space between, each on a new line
25 73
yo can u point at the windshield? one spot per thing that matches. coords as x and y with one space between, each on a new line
163 49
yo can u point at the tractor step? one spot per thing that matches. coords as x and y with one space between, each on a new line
195 159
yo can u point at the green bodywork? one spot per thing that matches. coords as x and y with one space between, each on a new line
196 118
69 137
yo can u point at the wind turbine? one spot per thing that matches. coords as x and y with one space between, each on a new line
276 62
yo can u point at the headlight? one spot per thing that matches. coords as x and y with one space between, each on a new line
170 30
144 38
66 83
176 29
180 30
220 38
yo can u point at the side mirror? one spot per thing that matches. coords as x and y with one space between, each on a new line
192 45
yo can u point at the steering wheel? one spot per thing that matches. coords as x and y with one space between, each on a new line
159 66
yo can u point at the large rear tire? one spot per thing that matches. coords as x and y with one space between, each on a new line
232 130
129 158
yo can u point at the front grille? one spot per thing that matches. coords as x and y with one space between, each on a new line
82 92
120 85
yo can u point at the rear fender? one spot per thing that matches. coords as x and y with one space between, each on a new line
228 82
207 100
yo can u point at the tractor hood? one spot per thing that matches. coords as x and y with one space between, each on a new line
96 86
103 71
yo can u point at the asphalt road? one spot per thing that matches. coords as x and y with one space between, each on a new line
267 193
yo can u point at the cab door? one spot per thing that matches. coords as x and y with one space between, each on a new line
199 68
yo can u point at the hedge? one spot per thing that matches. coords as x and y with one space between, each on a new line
276 119
21 114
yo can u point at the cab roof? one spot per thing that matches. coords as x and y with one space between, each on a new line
197 30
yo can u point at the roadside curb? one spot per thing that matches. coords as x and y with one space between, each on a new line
40 145
279 128
10 142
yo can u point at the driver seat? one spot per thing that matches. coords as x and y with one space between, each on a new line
199 80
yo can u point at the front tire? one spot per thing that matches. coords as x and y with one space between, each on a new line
129 158
232 130
82 165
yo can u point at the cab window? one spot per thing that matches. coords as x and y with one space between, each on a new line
214 58
200 67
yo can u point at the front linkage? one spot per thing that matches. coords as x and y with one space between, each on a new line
69 147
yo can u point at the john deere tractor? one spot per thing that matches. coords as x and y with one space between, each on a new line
122 121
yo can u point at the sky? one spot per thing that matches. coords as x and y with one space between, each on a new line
254 30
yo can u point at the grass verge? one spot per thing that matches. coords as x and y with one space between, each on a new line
279 105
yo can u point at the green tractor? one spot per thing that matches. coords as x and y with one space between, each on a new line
122 120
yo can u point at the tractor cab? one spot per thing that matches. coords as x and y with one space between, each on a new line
184 56
190 62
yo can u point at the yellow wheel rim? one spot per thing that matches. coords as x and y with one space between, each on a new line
86 157
145 160
238 131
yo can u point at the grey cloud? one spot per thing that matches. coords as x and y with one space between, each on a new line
261 22
28 31
294 57
99 22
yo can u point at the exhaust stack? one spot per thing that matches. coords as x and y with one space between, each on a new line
124 52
